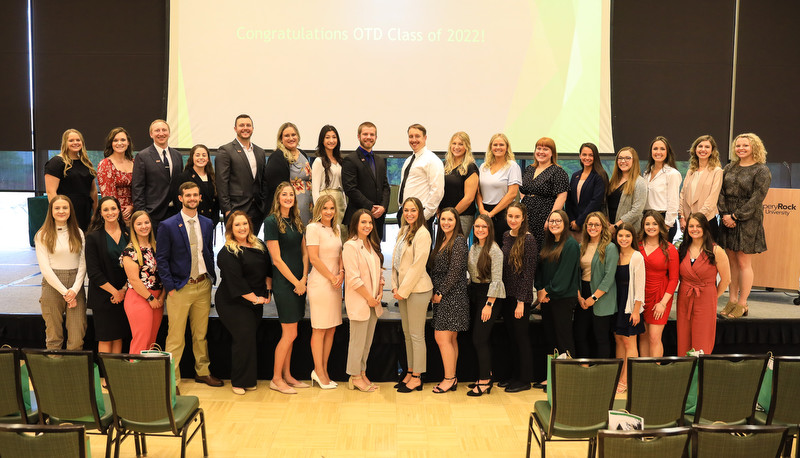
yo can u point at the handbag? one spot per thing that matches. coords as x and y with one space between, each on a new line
155 350
691 398
555 355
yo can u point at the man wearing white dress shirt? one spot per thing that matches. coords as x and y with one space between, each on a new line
422 175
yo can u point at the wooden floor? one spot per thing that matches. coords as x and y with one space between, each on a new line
344 423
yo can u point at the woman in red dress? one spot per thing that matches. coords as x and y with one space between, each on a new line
661 280
701 261
114 173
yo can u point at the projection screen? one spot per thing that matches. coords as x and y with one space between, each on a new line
529 69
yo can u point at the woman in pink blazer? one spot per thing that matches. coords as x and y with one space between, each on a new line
702 183
362 259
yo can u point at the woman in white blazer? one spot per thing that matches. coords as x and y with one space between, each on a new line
363 288
630 279
412 287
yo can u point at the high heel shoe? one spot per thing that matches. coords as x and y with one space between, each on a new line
315 378
483 388
401 382
438 389
369 389
738 311
405 389
727 310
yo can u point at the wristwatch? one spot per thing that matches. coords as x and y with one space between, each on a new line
489 304
150 298
594 298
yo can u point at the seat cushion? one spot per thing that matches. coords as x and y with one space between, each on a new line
185 408
542 410
88 421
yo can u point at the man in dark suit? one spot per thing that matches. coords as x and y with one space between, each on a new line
186 267
239 174
155 176
364 179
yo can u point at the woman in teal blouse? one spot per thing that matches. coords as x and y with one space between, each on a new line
598 293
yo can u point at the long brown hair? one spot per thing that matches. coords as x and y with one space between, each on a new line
411 231
663 232
48 232
98 222
440 244
484 264
633 173
605 235
294 212
669 160
109 148
551 249
517 255
209 168
230 240
373 236
708 241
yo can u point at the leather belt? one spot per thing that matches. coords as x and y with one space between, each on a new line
197 280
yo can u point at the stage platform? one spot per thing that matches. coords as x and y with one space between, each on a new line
772 325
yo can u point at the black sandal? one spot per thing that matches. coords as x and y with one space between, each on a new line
481 391
438 390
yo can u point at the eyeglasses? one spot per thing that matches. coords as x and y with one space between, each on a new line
555 221
624 159
594 225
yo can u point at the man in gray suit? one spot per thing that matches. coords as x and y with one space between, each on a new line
240 172
156 170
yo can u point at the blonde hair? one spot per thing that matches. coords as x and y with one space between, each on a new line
286 153
605 235
83 156
449 160
633 173
489 160
756 146
294 212
317 213
230 240
135 237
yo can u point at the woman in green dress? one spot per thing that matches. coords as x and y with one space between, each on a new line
283 232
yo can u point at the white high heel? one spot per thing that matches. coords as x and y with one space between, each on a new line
315 378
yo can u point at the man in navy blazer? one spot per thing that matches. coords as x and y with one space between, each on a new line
240 174
364 179
154 182
186 267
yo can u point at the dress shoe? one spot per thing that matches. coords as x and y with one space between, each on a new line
209 380
237 390
540 385
517 387
315 378
503 384
299 384
403 388
287 390
251 388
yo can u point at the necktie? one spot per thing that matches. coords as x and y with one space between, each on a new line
405 177
165 160
370 160
195 270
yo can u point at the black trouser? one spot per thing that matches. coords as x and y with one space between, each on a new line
519 331
590 329
242 321
557 323
482 331
499 222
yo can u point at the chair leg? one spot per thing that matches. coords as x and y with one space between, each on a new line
136 444
591 447
203 433
144 444
530 433
109 437
117 440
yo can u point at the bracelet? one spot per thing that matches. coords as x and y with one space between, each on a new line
269 292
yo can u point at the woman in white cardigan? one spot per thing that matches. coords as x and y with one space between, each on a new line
362 259
60 252
412 287
630 297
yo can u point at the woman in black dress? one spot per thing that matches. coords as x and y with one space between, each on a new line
200 171
246 271
71 174
745 182
106 239
460 180
448 265
544 187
